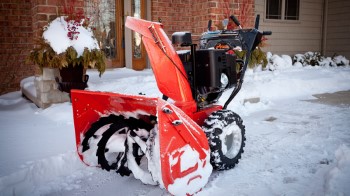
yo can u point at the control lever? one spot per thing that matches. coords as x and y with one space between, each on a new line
209 25
232 17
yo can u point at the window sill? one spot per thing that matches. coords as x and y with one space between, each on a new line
281 21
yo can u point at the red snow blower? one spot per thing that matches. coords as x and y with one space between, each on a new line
174 144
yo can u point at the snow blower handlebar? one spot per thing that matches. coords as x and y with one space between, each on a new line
250 39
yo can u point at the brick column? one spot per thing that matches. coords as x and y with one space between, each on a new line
16 42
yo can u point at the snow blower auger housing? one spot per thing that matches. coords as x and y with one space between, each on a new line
174 145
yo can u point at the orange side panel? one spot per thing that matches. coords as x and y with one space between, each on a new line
174 139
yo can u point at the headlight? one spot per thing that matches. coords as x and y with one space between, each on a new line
224 80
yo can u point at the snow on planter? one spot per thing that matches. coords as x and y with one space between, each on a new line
56 34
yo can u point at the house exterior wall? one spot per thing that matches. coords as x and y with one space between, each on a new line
15 43
291 37
323 26
22 20
338 28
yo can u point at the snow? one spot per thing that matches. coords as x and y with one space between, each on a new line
279 62
233 150
180 33
154 157
293 146
89 156
28 84
56 35
138 171
338 176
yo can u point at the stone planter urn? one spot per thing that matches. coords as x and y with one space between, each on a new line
46 89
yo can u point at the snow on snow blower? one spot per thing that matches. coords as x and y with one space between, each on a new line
173 144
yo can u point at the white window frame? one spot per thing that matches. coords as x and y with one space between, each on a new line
283 12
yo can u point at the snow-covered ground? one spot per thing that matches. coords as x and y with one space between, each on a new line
293 147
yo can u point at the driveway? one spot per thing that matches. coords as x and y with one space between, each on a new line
340 98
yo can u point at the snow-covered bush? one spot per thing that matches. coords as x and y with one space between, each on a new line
327 61
309 58
340 60
278 62
299 60
316 59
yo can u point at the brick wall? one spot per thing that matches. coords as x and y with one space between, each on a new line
201 14
20 22
44 11
15 43
174 15
193 15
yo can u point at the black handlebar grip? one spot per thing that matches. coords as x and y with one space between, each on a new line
257 21
267 32
209 25
232 17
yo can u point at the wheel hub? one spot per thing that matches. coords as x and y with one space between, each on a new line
232 138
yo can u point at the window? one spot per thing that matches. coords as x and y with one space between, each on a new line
137 47
291 10
106 17
103 15
282 9
273 9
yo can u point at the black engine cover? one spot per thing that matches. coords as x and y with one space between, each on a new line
210 64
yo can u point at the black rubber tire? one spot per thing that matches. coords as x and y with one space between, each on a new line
214 127
96 126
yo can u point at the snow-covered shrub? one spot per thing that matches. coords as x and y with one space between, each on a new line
316 59
278 62
313 58
327 61
275 61
299 58
340 60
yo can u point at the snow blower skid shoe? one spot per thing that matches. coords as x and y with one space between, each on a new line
121 132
